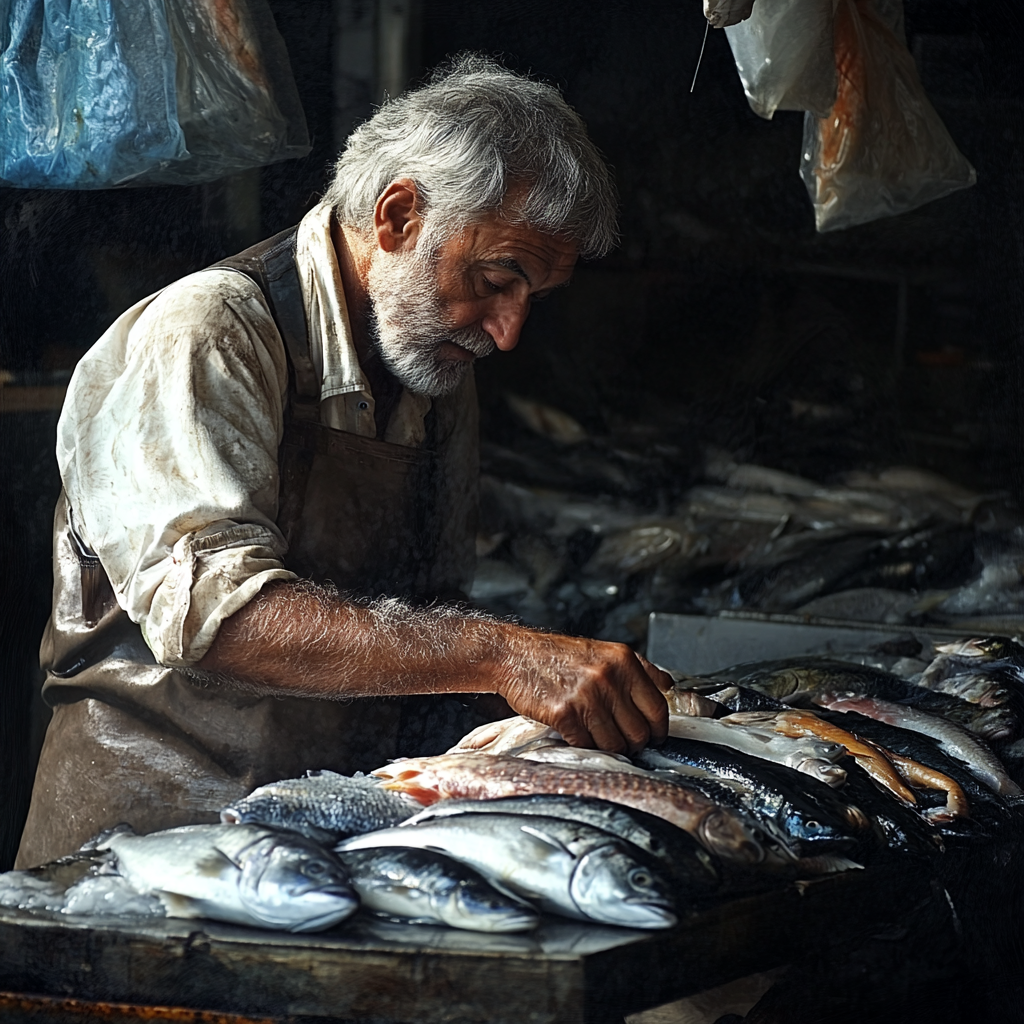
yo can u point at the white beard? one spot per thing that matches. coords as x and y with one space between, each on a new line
407 327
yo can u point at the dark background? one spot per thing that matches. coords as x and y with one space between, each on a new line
720 307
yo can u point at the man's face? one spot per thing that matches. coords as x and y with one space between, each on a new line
436 308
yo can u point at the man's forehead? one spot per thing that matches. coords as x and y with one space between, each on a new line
496 239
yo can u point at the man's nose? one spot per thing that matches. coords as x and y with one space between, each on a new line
504 321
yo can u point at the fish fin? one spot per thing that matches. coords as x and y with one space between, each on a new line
420 794
178 905
102 838
544 838
826 864
213 863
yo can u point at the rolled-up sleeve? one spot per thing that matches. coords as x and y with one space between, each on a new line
168 452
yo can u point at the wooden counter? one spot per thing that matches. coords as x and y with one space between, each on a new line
367 970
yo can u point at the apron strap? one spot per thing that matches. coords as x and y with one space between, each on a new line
271 264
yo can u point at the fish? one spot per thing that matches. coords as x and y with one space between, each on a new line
508 736
981 651
244 874
484 776
988 690
743 698
797 680
323 806
418 886
564 867
684 861
983 670
979 760
813 758
984 803
811 816
921 775
986 809
779 849
582 757
796 724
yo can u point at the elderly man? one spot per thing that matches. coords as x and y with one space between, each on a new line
301 420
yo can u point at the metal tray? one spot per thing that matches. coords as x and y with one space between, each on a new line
699 644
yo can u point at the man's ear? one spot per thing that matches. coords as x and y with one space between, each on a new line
396 217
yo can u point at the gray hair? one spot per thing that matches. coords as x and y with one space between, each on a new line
474 131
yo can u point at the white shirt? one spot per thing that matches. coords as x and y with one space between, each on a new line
167 443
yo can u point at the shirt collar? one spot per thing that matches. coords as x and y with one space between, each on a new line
346 400
330 331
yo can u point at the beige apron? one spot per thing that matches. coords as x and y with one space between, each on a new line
134 741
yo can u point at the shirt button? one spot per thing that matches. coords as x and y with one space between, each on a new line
364 405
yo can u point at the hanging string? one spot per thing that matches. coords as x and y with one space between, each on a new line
707 25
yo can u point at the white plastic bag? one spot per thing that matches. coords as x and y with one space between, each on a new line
783 54
237 101
882 149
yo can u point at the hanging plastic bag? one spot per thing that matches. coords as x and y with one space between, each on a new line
783 53
87 92
882 149
722 13
236 98
100 93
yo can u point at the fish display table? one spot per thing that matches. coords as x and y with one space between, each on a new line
369 970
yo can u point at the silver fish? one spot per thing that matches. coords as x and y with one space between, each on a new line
239 873
324 806
580 757
565 867
419 886
810 756
681 856
509 736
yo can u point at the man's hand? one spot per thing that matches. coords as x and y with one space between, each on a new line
297 639
595 694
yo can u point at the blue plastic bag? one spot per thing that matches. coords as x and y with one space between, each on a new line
87 93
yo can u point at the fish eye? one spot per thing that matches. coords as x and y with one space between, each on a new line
640 877
315 868
813 824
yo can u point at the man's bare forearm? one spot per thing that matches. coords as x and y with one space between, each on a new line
295 638
299 639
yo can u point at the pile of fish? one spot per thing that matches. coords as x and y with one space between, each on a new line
566 547
772 773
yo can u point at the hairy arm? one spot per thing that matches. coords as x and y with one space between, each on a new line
297 639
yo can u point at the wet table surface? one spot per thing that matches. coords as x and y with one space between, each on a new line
370 970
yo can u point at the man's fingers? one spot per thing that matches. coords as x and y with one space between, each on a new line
635 725
576 734
661 679
649 697
607 736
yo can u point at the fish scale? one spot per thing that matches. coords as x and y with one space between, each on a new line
324 806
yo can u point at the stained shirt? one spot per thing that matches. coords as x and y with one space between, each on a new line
168 440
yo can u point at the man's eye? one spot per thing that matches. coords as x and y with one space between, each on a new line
492 286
